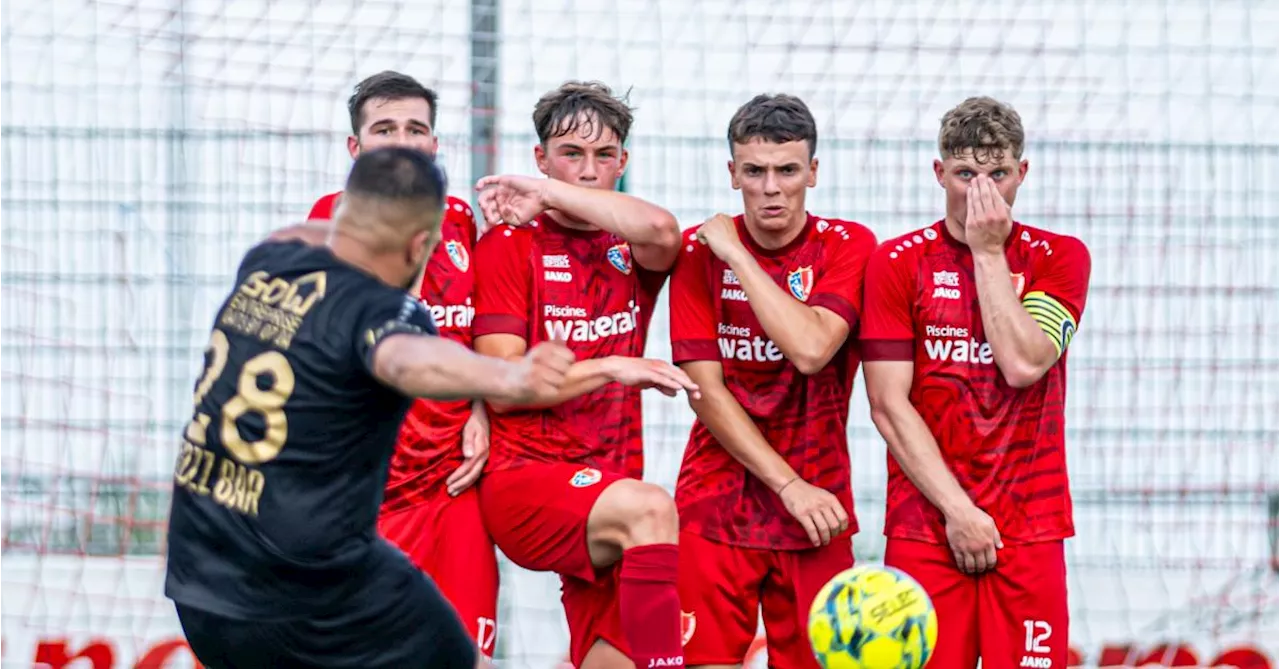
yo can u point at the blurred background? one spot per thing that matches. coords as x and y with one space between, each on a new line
148 143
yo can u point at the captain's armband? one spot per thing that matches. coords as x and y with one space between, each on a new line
1052 317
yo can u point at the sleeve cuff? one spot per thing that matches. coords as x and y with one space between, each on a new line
693 350
837 305
488 324
888 349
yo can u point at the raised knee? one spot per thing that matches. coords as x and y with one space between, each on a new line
633 513
652 517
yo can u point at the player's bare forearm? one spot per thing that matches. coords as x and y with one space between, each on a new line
653 232
584 376
437 368
1022 350
729 423
807 336
908 437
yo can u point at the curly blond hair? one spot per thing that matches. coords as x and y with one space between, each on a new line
983 125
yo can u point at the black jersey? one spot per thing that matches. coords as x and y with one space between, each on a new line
282 467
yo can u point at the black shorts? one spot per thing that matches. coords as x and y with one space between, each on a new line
400 620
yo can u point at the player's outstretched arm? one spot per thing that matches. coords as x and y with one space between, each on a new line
817 510
971 532
652 231
807 335
582 377
587 376
437 368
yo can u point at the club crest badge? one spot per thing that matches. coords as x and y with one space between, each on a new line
458 254
620 257
585 477
1019 284
688 625
800 282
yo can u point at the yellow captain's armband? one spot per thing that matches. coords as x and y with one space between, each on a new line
1053 318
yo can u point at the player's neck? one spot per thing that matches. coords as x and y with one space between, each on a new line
771 240
566 221
955 228
358 253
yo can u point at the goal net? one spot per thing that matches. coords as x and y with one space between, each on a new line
148 143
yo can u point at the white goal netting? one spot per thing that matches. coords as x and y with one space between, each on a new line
147 143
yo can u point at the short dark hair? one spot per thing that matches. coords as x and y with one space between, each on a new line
983 125
398 174
388 85
557 113
777 118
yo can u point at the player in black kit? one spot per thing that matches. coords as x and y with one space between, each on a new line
314 358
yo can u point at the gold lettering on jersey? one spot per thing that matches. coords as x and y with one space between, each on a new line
264 384
271 308
238 487
232 485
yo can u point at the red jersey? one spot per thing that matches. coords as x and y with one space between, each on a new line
430 442
544 279
804 418
1004 445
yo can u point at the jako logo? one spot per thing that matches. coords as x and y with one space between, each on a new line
594 329
947 293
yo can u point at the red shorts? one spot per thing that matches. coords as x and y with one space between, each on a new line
446 539
723 588
537 515
1014 615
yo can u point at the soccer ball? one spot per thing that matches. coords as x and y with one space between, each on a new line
872 617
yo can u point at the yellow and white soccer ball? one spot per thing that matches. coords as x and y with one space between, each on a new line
872 617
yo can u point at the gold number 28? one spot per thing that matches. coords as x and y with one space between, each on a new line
267 402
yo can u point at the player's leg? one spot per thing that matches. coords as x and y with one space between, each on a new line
954 595
447 541
538 515
417 531
591 608
396 619
794 581
636 522
720 594
1023 608
224 643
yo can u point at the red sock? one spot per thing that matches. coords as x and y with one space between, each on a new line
650 605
